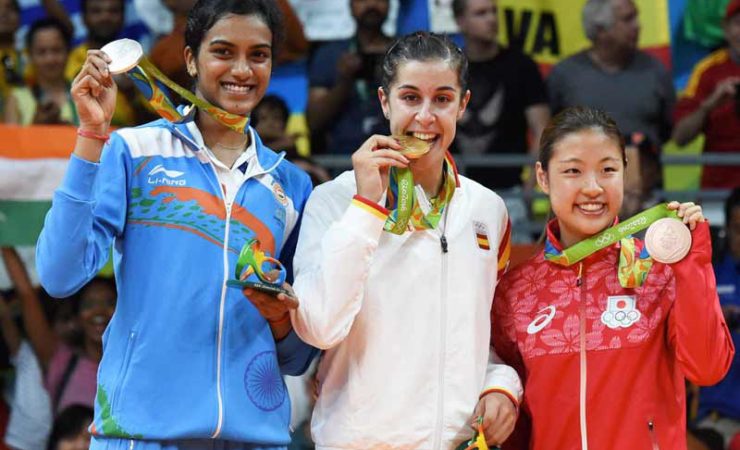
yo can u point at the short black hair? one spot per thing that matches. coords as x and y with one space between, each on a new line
68 423
275 102
16 6
458 7
206 13
84 4
46 23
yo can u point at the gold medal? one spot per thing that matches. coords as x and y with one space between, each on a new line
413 148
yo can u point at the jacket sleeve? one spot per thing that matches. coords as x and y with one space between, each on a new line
504 341
294 355
697 331
499 376
88 211
332 262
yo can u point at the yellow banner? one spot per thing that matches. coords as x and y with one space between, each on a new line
552 29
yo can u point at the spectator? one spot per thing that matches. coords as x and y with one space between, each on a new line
343 80
711 104
719 405
70 429
104 21
11 73
188 361
30 409
167 53
47 99
69 370
508 96
270 119
614 76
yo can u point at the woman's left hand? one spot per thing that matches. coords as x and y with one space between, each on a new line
274 308
690 213
499 417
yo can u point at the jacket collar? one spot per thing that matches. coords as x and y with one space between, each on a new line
267 159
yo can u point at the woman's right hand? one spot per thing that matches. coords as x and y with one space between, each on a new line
94 93
371 163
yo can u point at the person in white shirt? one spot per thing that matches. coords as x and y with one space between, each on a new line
403 315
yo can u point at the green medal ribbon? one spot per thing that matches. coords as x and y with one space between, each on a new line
633 269
404 206
478 442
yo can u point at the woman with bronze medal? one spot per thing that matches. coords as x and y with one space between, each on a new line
185 203
396 266
602 326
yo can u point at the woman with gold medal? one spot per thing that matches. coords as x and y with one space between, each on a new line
396 267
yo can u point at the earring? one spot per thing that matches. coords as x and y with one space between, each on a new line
192 72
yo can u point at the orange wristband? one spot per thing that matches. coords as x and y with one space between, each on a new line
92 135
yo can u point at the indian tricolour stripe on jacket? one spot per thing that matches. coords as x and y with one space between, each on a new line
33 161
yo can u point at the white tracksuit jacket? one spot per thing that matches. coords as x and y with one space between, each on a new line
405 327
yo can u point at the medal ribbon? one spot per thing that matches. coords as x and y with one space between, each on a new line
404 206
153 84
633 269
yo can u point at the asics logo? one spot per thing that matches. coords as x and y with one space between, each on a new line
544 318
604 239
159 168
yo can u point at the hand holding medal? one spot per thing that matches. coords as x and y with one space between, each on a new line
669 240
127 56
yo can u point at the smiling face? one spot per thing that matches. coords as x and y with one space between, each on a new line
233 66
585 182
425 100
97 305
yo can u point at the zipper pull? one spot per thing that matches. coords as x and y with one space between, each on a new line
443 243
579 280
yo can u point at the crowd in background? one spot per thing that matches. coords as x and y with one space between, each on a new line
53 348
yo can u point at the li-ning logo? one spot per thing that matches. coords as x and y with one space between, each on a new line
168 177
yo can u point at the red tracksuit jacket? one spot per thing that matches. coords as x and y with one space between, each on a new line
603 365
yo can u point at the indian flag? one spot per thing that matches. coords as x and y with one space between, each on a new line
33 160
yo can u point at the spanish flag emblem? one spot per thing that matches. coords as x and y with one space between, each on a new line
483 241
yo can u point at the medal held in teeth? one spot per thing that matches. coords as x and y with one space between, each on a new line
127 56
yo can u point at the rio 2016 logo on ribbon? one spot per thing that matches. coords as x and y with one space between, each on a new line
604 240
